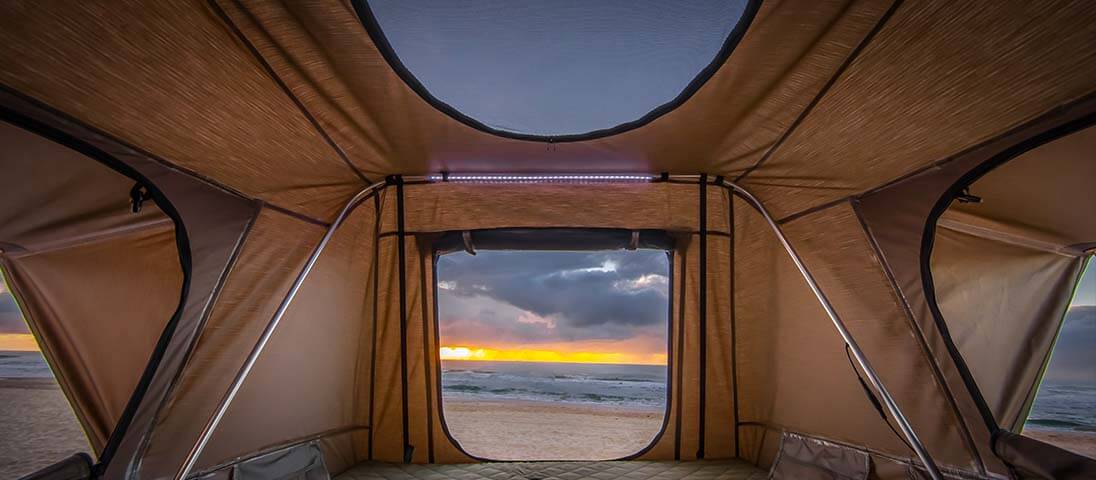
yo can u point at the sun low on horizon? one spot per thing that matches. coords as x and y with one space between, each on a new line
472 353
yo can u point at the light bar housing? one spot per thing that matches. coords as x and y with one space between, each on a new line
545 178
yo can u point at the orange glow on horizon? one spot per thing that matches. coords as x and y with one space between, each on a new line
519 354
19 342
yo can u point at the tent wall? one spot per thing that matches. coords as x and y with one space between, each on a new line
84 235
1003 305
1005 267
206 225
439 207
305 384
897 216
794 374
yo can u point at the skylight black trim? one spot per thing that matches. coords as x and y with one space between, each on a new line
376 34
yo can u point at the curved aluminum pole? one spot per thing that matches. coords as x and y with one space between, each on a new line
895 412
245 369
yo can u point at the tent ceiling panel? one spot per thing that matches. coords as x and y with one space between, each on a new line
88 201
1044 194
324 53
566 68
188 82
170 79
939 78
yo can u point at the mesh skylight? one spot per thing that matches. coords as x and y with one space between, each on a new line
555 68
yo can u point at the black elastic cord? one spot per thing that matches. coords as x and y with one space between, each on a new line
703 310
401 235
874 400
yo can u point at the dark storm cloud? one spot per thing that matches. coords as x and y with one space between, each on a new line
604 295
11 321
1074 358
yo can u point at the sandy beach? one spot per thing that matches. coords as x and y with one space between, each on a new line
530 430
37 427
1083 443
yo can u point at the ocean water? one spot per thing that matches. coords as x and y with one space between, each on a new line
23 365
623 385
1058 406
1061 406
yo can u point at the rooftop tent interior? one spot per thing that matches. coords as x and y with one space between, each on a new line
185 183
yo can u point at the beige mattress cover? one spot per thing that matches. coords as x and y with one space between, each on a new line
693 470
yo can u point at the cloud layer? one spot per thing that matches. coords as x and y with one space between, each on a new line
545 297
11 321
1074 358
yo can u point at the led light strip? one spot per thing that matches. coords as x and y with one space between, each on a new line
495 178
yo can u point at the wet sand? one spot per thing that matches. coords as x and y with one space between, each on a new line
1077 442
527 430
37 427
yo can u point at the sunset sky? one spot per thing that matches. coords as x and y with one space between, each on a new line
597 307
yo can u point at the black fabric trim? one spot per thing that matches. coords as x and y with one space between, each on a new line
299 216
928 239
402 254
564 239
182 244
376 34
703 311
282 85
681 356
825 88
376 297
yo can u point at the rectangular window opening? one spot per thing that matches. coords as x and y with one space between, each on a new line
553 354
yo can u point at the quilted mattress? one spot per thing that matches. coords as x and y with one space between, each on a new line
633 470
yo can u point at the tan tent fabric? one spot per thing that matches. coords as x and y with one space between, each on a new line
1003 304
1044 195
431 208
252 291
254 121
940 77
99 339
891 213
55 256
171 79
322 51
788 344
1005 268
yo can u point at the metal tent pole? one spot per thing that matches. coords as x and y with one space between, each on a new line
245 369
862 359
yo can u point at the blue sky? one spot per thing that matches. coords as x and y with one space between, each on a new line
559 67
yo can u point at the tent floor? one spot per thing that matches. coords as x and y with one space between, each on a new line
633 470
